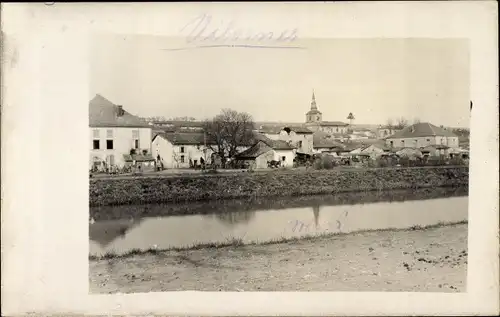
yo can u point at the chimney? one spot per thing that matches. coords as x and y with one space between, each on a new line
120 111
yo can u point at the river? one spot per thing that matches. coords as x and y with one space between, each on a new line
269 219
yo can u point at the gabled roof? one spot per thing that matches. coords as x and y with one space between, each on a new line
255 151
333 123
298 129
104 113
423 129
184 138
325 140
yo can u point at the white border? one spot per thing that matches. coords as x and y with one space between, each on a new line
44 124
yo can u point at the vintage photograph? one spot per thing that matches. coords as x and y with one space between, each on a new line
242 160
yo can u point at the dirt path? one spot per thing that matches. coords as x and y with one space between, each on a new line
425 260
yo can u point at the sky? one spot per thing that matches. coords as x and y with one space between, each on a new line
375 79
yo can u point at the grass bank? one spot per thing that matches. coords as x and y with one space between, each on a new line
185 188
238 242
250 204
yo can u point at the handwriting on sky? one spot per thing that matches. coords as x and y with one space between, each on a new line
205 32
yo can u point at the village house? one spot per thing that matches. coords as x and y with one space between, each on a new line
184 149
314 121
299 137
420 135
324 142
180 149
114 133
262 152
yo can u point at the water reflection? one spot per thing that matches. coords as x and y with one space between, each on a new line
232 218
267 224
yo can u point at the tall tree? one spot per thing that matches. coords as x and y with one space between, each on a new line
227 131
350 117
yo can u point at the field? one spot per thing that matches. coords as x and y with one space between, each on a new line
432 259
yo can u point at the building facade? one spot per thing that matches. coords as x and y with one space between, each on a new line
421 135
115 133
181 150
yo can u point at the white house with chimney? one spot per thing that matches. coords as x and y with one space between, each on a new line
113 133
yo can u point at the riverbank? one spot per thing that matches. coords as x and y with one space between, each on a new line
275 203
431 259
184 188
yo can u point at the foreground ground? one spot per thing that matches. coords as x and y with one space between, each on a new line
432 260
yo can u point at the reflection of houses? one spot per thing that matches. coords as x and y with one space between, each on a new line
114 132
271 150
105 232
177 149
314 121
235 217
420 135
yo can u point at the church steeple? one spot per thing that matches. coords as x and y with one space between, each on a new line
313 102
313 115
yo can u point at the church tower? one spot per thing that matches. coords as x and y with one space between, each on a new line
313 115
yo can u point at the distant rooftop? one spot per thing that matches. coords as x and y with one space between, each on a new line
423 129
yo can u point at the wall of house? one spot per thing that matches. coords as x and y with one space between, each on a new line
287 154
423 141
261 160
177 156
303 142
123 142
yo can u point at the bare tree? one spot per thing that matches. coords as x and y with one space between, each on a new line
402 123
228 130
389 124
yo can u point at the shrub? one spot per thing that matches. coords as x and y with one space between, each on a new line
324 161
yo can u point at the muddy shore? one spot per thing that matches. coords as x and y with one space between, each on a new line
433 260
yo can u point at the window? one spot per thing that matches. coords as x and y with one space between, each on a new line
337 129
136 144
392 143
428 140
182 149
109 134
96 134
109 144
283 158
300 144
96 145
182 158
